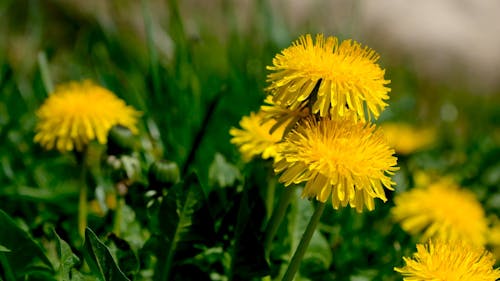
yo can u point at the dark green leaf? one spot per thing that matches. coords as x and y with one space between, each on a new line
127 259
183 221
248 256
67 258
100 260
23 255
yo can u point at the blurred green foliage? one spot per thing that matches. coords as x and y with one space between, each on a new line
209 225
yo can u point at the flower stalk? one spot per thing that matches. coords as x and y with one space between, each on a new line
294 265
117 223
276 218
83 193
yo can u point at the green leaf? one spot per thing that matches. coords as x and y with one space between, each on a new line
183 221
222 172
100 260
21 254
4 249
127 259
248 256
67 258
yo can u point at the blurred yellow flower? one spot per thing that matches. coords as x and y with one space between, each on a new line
449 261
284 117
331 77
406 138
494 236
349 161
423 178
79 112
255 137
441 210
99 208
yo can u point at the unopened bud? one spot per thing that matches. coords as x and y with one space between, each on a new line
163 174
120 141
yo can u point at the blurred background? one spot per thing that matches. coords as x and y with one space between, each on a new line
452 44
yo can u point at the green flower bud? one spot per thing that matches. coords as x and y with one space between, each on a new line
163 173
120 141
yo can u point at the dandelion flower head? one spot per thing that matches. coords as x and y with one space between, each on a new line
349 161
333 77
255 137
449 261
494 236
441 210
406 139
79 112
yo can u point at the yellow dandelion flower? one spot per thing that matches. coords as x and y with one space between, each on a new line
423 178
284 117
494 236
407 139
449 261
255 137
441 210
349 161
333 77
79 112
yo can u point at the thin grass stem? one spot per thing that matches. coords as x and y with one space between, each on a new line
271 191
201 132
153 55
45 72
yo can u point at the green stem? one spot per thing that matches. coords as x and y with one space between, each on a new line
82 210
45 72
8 274
294 265
271 191
276 218
82 199
118 216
